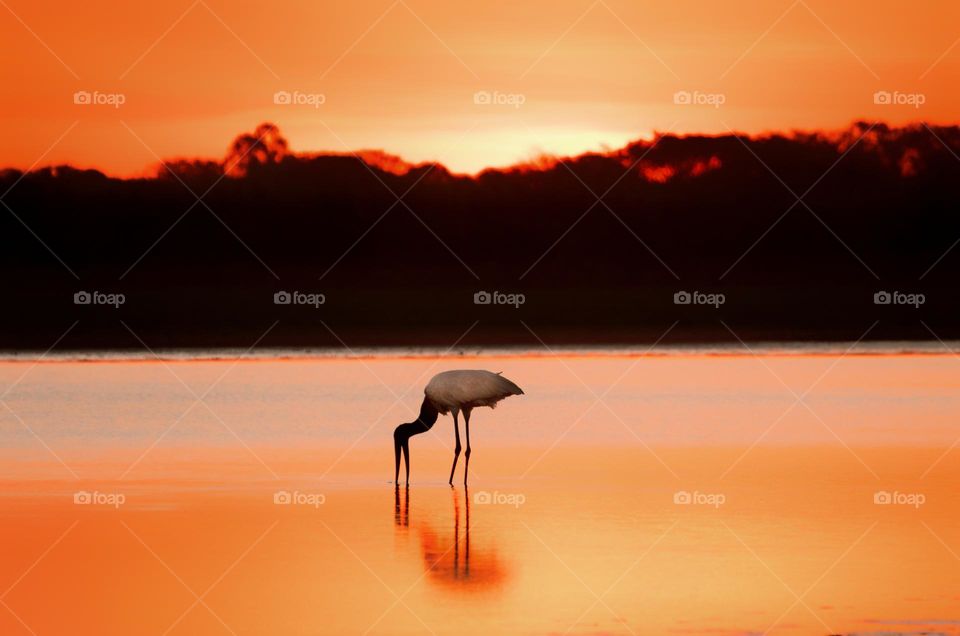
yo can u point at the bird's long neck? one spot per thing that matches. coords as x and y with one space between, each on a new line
401 436
427 418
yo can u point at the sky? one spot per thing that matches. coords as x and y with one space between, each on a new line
472 85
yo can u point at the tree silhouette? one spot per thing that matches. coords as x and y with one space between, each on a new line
249 151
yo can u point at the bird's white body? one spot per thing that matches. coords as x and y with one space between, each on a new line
453 392
468 389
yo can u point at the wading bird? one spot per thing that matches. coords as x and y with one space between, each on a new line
452 392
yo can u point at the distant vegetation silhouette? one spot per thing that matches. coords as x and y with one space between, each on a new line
692 213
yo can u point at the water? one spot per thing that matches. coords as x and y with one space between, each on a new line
689 493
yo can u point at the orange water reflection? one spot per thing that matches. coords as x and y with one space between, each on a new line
600 543
449 559
599 524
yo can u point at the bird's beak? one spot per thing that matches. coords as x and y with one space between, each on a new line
401 443
396 454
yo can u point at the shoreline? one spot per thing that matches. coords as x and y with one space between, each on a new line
786 349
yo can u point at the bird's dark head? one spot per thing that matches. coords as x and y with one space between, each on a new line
402 434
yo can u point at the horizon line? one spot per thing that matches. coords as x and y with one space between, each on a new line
549 160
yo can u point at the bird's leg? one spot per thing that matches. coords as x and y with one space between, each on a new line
466 455
456 450
406 459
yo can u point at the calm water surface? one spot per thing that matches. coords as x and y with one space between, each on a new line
689 494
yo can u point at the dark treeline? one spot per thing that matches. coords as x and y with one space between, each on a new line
678 213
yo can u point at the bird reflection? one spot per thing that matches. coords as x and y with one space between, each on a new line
401 517
450 561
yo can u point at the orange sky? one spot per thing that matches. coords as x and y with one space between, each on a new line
401 75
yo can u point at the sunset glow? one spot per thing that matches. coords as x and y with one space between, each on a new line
402 76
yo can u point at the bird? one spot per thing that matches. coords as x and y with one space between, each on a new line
452 392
